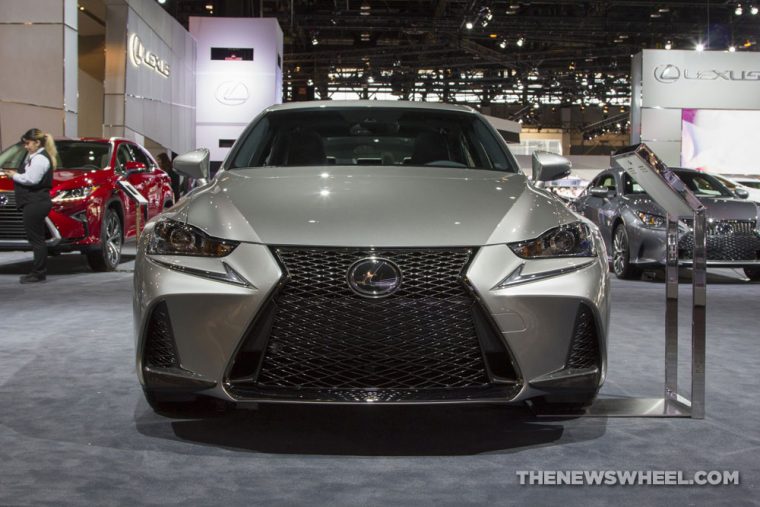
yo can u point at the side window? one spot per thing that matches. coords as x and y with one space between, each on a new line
608 182
630 186
122 157
12 157
139 156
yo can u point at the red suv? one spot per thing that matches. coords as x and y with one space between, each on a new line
90 211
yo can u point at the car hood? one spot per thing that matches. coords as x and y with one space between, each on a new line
372 206
717 208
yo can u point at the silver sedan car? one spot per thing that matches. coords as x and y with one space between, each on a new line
371 252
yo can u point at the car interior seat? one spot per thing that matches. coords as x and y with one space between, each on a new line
429 147
306 148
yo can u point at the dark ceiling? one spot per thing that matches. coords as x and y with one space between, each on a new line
571 53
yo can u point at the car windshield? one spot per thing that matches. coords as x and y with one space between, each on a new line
85 155
372 136
751 183
703 184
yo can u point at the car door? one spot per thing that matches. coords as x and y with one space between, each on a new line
602 210
123 157
149 179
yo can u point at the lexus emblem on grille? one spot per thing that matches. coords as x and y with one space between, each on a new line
374 277
3 200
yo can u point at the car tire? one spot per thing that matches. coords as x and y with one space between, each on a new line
753 273
621 255
106 256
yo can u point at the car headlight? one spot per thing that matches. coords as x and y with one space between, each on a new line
650 220
74 194
570 240
174 238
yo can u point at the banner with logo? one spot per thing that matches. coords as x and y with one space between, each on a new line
701 80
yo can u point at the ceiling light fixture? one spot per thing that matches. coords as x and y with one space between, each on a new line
503 44
738 11
732 49
753 10
699 47
520 42
468 25
668 45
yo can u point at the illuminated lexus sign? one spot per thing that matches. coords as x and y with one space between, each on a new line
671 73
140 55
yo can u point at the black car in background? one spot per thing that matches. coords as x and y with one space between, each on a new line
633 225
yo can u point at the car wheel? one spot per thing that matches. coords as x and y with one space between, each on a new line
752 273
106 256
621 264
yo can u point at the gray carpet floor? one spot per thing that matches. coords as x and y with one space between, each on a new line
75 430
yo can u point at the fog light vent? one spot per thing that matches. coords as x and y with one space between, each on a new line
160 350
584 351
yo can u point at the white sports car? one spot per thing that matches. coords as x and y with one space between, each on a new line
371 252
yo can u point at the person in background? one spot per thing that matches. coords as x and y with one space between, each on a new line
166 165
32 182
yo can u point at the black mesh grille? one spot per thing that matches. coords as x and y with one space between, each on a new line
584 351
11 219
324 336
160 350
734 247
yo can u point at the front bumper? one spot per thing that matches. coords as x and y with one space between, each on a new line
209 321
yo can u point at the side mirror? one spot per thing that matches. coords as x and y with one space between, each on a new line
194 164
549 166
602 192
134 167
741 193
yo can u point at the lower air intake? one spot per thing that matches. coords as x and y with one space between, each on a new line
584 351
160 350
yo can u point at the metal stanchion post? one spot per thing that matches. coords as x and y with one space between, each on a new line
671 310
699 311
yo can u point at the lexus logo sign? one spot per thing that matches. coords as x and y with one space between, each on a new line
139 55
232 93
667 73
670 73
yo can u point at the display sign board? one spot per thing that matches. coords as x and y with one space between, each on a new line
132 192
659 181
700 79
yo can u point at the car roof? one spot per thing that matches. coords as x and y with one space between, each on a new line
344 104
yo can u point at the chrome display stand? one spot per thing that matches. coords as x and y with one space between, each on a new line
671 194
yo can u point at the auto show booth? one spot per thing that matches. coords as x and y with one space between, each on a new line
698 109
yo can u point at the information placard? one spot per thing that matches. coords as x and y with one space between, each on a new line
658 180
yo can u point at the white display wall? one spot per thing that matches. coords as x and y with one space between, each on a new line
38 57
698 109
150 81
237 82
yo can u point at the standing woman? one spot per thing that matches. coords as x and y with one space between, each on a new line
33 182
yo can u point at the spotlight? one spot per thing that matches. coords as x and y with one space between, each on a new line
503 44
738 11
732 49
668 45
314 40
520 42
468 25
753 10
370 79
700 47
162 2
